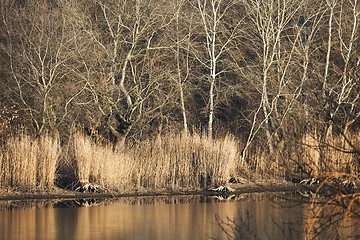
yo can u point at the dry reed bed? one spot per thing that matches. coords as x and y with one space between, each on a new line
171 162
332 155
100 164
308 156
28 163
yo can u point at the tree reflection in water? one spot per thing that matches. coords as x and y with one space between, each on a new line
322 217
245 216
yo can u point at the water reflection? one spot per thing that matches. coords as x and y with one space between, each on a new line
252 216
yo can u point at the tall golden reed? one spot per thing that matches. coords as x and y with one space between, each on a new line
48 153
100 164
29 163
173 162
333 155
182 160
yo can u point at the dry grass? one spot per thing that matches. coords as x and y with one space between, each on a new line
19 162
338 154
172 162
48 153
311 154
180 161
29 163
98 163
308 156
329 155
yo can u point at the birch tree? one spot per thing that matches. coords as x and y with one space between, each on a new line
345 91
182 66
217 38
272 38
333 56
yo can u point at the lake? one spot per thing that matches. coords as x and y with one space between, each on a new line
246 216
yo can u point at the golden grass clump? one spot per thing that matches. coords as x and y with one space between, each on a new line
48 153
338 154
183 161
308 155
311 154
333 154
100 164
83 156
28 162
19 162
174 162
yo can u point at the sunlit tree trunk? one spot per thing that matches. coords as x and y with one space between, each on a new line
212 14
325 92
180 78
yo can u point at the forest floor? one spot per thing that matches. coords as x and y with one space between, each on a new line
244 186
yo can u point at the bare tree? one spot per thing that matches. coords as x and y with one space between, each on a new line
345 92
38 46
182 77
124 77
217 38
272 38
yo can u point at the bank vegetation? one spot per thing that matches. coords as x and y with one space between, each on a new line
180 94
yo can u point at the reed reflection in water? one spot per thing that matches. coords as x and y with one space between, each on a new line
155 218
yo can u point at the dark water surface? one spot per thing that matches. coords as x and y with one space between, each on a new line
249 216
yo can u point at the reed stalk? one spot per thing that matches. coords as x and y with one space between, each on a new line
29 163
172 162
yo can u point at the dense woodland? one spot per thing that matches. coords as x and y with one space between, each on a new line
278 75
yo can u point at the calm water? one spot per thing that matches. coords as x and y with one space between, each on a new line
253 216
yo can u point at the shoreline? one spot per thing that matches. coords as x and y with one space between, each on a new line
62 194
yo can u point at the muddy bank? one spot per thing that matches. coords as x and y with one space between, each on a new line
58 193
